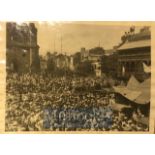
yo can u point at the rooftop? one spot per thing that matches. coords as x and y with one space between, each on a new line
136 40
135 44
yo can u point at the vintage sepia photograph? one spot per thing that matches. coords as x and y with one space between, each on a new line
77 76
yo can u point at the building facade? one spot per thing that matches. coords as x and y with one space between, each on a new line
22 54
62 61
94 56
134 54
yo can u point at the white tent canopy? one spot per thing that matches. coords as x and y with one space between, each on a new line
135 91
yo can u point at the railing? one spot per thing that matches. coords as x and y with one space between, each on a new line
135 57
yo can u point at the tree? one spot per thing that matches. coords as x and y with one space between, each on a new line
77 58
85 68
97 50
50 63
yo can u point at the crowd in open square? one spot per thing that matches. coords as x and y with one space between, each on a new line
91 90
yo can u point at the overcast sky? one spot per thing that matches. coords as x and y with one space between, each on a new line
78 34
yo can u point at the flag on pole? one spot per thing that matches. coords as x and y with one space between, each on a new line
147 69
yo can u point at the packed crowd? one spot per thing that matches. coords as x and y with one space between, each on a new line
39 103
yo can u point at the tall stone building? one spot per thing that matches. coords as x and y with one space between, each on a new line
22 54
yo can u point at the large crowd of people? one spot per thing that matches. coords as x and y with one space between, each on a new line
44 103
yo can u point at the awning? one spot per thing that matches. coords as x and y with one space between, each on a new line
133 83
127 93
145 88
119 107
135 91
